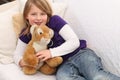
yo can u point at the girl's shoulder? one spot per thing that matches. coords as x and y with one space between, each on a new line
56 17
56 22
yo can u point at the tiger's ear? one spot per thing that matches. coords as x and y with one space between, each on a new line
32 28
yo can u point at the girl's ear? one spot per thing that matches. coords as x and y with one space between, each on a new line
26 17
32 28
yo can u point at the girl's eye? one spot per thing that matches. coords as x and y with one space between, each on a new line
33 14
43 13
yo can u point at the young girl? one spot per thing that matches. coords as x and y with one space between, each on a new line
80 63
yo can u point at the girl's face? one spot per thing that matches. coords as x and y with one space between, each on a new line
36 16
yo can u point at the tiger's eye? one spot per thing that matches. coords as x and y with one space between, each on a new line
40 32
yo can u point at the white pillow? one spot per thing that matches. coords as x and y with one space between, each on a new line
58 8
7 35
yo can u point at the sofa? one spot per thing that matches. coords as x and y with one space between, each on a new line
96 21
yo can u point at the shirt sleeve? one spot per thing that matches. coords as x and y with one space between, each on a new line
19 51
71 42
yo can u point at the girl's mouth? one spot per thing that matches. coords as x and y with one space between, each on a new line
38 23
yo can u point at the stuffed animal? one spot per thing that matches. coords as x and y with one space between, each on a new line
41 36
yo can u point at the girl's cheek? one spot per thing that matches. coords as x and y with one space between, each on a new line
31 22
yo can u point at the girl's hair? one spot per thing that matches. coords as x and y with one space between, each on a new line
42 5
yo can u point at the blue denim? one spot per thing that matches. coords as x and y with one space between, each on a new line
85 65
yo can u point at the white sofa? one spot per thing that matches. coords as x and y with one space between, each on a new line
97 21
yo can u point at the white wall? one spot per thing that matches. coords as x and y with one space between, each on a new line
98 21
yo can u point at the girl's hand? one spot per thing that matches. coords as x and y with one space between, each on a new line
22 63
44 55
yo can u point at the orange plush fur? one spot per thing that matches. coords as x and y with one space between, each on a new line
41 36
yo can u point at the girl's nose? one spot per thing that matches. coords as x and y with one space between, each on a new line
38 17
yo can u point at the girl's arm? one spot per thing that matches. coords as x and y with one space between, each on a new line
19 51
71 42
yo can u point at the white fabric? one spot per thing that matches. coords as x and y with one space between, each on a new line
18 53
58 8
13 72
7 34
98 22
70 37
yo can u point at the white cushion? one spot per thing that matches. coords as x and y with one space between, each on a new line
7 35
58 8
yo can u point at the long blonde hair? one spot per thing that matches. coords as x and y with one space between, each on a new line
42 5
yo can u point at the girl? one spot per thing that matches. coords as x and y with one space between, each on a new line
80 63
